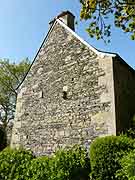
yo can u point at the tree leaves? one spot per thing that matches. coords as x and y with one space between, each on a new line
11 75
99 11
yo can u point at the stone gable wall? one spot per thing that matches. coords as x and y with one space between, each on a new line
124 85
48 118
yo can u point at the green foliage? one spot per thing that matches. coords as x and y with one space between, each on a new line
13 163
11 75
70 164
111 157
130 133
98 12
105 154
38 169
127 172
66 164
3 139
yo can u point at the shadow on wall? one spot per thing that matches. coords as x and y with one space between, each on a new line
3 138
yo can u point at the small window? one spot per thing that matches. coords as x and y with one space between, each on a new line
64 95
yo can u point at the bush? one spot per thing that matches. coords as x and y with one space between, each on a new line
105 154
66 164
38 169
13 163
130 133
70 164
127 172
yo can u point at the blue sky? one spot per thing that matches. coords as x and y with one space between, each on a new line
24 23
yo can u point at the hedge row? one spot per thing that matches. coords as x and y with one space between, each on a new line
111 158
67 164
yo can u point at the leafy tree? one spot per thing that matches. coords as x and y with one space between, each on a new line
102 12
11 75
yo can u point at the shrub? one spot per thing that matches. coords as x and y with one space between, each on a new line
127 172
105 154
38 169
13 163
130 133
70 164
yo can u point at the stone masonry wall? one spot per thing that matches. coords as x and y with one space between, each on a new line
48 118
124 84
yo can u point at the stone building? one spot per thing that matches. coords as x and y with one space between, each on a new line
72 93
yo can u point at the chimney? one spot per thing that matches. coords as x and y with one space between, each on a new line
67 17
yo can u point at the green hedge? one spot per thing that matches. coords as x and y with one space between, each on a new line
13 163
38 169
127 172
73 163
70 164
65 164
105 155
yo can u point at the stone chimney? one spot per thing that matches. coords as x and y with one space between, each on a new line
67 17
